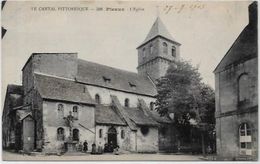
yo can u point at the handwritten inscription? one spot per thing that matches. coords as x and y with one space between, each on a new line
179 8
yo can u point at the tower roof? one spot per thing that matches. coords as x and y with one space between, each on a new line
158 29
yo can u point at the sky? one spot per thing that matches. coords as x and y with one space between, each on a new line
206 31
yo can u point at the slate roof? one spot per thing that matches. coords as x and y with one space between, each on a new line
139 118
106 115
96 74
156 116
244 48
62 89
23 114
15 89
158 29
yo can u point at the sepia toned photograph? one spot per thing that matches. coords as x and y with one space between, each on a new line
129 80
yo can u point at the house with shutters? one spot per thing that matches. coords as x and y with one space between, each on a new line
65 100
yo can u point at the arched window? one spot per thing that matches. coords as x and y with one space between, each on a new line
75 134
100 133
173 52
151 105
126 102
75 111
60 134
245 139
97 99
151 49
122 134
243 87
143 53
165 48
60 111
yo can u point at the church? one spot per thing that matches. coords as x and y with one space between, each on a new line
64 100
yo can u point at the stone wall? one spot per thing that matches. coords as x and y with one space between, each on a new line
147 143
28 78
157 50
106 98
227 85
228 145
51 122
60 64
127 143
156 68
230 113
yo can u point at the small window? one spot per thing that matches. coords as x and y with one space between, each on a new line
97 99
60 111
75 112
144 130
75 133
165 48
173 52
151 106
126 102
151 49
60 134
122 134
100 133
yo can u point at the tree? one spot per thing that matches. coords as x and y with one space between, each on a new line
182 92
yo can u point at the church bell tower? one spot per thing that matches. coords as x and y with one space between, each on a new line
157 51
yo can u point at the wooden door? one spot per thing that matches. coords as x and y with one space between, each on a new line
28 134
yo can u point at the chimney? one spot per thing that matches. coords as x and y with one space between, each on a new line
253 13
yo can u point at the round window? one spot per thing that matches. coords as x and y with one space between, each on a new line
144 130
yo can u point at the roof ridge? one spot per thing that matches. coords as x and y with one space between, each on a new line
122 70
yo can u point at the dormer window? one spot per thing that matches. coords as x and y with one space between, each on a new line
106 79
165 48
133 86
173 52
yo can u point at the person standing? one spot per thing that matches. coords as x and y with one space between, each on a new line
85 146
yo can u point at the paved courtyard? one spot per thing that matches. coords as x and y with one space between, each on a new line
88 157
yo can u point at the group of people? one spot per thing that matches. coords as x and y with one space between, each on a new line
108 148
82 147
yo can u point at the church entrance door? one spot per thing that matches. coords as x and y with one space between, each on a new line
112 136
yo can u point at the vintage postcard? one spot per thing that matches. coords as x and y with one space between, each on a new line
129 80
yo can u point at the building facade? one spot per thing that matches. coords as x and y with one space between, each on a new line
65 100
236 79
